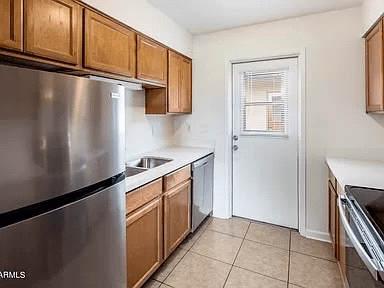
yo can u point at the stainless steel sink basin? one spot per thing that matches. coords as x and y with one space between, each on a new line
130 171
148 162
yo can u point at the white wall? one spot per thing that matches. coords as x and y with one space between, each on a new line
144 132
371 11
144 17
335 108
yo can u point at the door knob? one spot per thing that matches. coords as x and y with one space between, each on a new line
235 147
235 137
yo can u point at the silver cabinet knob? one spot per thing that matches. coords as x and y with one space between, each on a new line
235 137
235 147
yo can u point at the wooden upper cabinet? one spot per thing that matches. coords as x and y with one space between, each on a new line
151 61
179 84
52 30
174 65
109 47
374 69
185 95
11 27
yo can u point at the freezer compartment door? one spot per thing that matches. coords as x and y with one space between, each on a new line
59 133
80 245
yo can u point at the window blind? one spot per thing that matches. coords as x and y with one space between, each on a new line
264 103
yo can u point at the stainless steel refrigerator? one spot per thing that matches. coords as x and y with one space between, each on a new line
62 198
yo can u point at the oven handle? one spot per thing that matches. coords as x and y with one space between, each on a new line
355 242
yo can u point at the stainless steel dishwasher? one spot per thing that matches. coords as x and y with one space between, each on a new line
202 189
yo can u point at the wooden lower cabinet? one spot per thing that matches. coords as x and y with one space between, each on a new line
342 253
177 216
333 224
177 177
144 242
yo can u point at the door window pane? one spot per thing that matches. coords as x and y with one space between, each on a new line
264 103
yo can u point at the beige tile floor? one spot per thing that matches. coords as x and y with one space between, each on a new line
238 253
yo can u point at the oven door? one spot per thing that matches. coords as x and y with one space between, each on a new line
358 262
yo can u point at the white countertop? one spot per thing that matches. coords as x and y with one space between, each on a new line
181 156
365 173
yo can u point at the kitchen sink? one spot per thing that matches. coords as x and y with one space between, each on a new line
130 171
148 162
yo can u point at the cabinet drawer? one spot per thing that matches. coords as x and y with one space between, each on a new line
177 177
332 179
143 195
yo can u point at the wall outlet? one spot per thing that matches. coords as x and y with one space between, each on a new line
188 126
203 128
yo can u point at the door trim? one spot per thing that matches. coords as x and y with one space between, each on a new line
301 56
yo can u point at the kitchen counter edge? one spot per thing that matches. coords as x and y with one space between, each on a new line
181 156
364 173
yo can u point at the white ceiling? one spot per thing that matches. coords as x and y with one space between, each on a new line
203 16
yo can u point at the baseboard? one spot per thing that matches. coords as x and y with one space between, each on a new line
317 235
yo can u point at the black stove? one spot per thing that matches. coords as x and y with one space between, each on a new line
371 202
362 215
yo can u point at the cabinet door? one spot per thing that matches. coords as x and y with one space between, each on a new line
53 29
185 86
342 252
109 47
173 82
177 216
151 61
144 242
374 69
333 218
11 24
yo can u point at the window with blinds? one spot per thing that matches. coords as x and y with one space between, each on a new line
264 103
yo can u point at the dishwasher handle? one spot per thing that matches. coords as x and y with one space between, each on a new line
200 163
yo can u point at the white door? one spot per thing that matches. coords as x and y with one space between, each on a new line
265 147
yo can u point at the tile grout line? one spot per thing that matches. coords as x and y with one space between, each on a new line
268 276
317 257
209 257
254 241
226 279
289 257
174 268
225 233
234 260
310 255
188 250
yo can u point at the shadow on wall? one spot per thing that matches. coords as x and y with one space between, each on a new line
379 118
